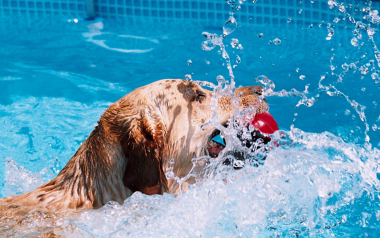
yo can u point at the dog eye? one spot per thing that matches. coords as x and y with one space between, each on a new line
200 95
258 90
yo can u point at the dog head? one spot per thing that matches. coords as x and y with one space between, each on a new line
164 121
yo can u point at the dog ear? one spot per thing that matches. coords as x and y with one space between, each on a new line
143 145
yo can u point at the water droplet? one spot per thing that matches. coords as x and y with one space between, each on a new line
341 8
330 32
230 26
212 41
370 32
336 19
295 114
234 42
238 8
377 56
261 35
221 80
363 70
207 45
354 42
302 77
189 62
366 9
300 11
238 59
374 16
207 62
297 69
276 41
225 55
289 20
169 174
344 218
363 89
260 57
347 112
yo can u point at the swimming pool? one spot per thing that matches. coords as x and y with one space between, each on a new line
60 73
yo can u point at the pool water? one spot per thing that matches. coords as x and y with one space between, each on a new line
59 75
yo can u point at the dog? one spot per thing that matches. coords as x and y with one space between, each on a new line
130 148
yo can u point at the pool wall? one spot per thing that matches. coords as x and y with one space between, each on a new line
263 12
35 8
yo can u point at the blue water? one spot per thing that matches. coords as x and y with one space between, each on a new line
58 76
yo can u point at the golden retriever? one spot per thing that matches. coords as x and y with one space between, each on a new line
130 148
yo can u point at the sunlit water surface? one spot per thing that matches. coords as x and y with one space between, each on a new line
58 76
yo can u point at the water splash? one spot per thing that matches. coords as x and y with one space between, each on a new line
214 40
310 194
14 173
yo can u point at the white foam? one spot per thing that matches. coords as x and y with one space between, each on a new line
296 189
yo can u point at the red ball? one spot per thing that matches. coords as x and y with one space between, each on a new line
265 123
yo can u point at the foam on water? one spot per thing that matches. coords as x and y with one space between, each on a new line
309 188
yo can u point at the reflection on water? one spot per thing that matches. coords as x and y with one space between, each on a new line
95 36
